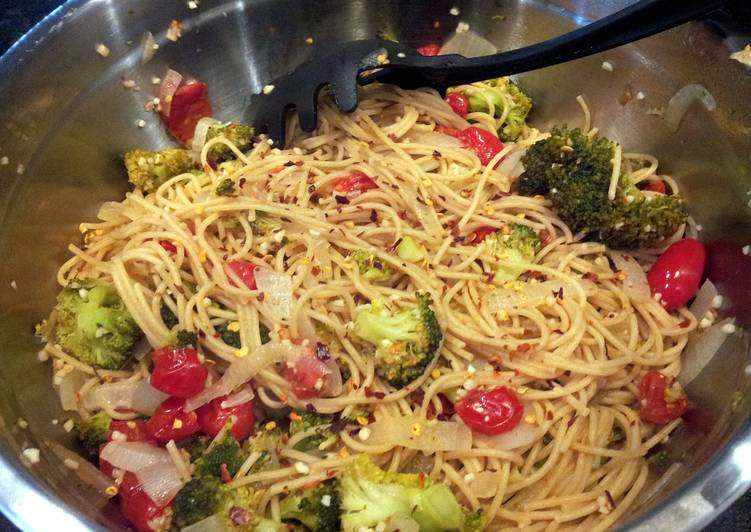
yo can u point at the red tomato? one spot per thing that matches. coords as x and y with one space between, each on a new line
677 273
189 104
492 411
482 142
168 246
172 422
307 376
134 430
106 468
137 507
429 49
212 417
356 182
245 271
662 400
458 102
655 186
178 371
479 234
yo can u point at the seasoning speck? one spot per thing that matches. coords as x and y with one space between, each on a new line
22 423
175 31
454 11
268 89
607 66
747 250
302 468
728 328
102 50
309 40
193 4
640 95
4 161
13 285
364 433
141 123
31 454
68 425
70 463
462 27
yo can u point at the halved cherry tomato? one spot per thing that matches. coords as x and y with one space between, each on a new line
662 399
137 507
492 411
189 104
355 182
134 430
212 417
429 49
245 271
482 142
307 376
677 273
168 246
172 422
458 102
178 371
655 186
479 234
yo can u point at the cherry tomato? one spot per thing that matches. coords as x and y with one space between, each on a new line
137 507
106 468
655 186
429 49
479 234
189 104
458 102
492 411
356 182
134 430
178 371
168 246
677 273
172 422
212 417
245 271
482 142
662 399
307 376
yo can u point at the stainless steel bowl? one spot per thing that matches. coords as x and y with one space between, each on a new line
66 116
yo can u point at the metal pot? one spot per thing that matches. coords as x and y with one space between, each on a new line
66 116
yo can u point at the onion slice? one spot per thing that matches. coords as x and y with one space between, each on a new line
469 44
147 47
418 433
532 294
435 139
213 523
485 483
201 132
277 292
701 348
139 397
134 456
635 285
704 300
85 470
160 481
170 83
69 386
682 100
240 398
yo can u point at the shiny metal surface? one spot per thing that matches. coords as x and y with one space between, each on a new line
66 117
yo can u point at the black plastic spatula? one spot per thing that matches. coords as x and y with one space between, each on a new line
344 65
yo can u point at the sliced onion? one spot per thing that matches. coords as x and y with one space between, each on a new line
240 398
398 523
69 386
213 523
277 291
170 83
86 471
201 131
682 100
428 219
703 300
533 294
134 456
333 385
485 484
469 44
700 350
417 433
439 140
160 481
244 369
139 396
522 435
147 47
635 285
306 329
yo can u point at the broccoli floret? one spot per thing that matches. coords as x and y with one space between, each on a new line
147 170
370 495
303 421
186 339
265 224
406 341
516 244
473 522
263 442
232 338
371 268
168 317
225 186
238 134
92 431
228 452
410 250
503 93
575 171
93 324
317 509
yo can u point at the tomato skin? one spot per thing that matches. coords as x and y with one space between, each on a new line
429 50
172 422
654 405
478 235
245 271
134 430
168 246
307 377
355 182
655 186
189 104
458 102
482 142
178 371
136 505
492 411
212 417
677 273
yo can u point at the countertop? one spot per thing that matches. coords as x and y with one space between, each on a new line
18 16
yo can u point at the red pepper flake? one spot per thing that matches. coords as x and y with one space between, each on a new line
341 200
330 473
168 246
571 421
402 214
545 237
226 477
684 324
315 270
421 479
549 415
260 296
241 182
239 516
180 289
285 438
591 276
373 216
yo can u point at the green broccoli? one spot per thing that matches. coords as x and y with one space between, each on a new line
303 420
264 442
92 431
168 317
238 134
371 268
186 339
265 224
225 186
93 324
504 94
147 170
410 250
227 452
232 338
370 495
516 244
575 171
406 341
317 508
